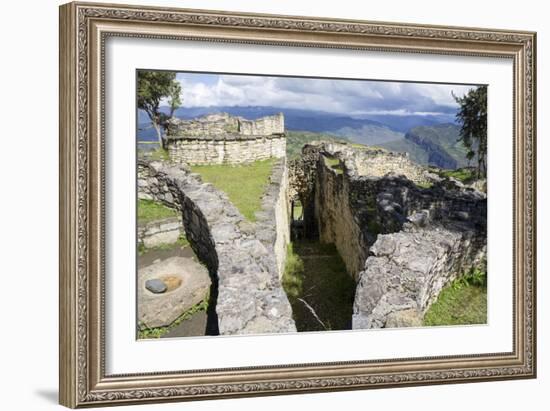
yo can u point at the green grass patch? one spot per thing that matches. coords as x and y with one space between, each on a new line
425 184
298 212
462 302
244 184
159 154
334 164
464 175
149 210
156 332
293 276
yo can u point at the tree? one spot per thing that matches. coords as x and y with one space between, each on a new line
472 117
154 87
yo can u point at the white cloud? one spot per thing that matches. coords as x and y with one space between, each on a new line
354 97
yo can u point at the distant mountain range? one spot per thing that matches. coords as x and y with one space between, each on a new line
430 140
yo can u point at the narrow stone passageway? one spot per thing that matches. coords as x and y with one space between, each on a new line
323 298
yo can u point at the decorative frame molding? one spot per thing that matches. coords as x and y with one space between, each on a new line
83 30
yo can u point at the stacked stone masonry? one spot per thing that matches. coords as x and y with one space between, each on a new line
158 232
408 269
225 139
250 298
361 199
272 225
402 231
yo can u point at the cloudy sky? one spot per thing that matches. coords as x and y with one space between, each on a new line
351 97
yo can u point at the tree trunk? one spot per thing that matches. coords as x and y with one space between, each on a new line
159 135
479 161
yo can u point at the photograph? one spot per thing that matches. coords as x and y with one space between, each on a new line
264 203
282 204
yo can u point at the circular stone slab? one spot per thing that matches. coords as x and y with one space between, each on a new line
189 285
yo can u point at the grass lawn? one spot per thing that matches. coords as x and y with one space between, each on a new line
149 210
333 163
425 184
462 302
462 174
244 184
315 274
298 212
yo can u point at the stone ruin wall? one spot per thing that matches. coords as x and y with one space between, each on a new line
158 232
408 269
344 199
244 258
227 151
150 187
273 220
225 139
376 162
335 218
264 126
401 242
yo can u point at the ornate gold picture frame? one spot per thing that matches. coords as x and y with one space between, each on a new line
84 30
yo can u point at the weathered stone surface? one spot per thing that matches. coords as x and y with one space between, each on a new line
225 139
404 318
156 286
273 221
408 269
402 231
377 192
401 241
243 257
159 232
156 310
479 185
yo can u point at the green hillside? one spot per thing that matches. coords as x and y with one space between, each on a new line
435 145
370 134
441 144
416 152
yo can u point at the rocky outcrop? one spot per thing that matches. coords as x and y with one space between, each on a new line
408 269
250 298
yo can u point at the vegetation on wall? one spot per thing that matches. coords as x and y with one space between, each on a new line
462 302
